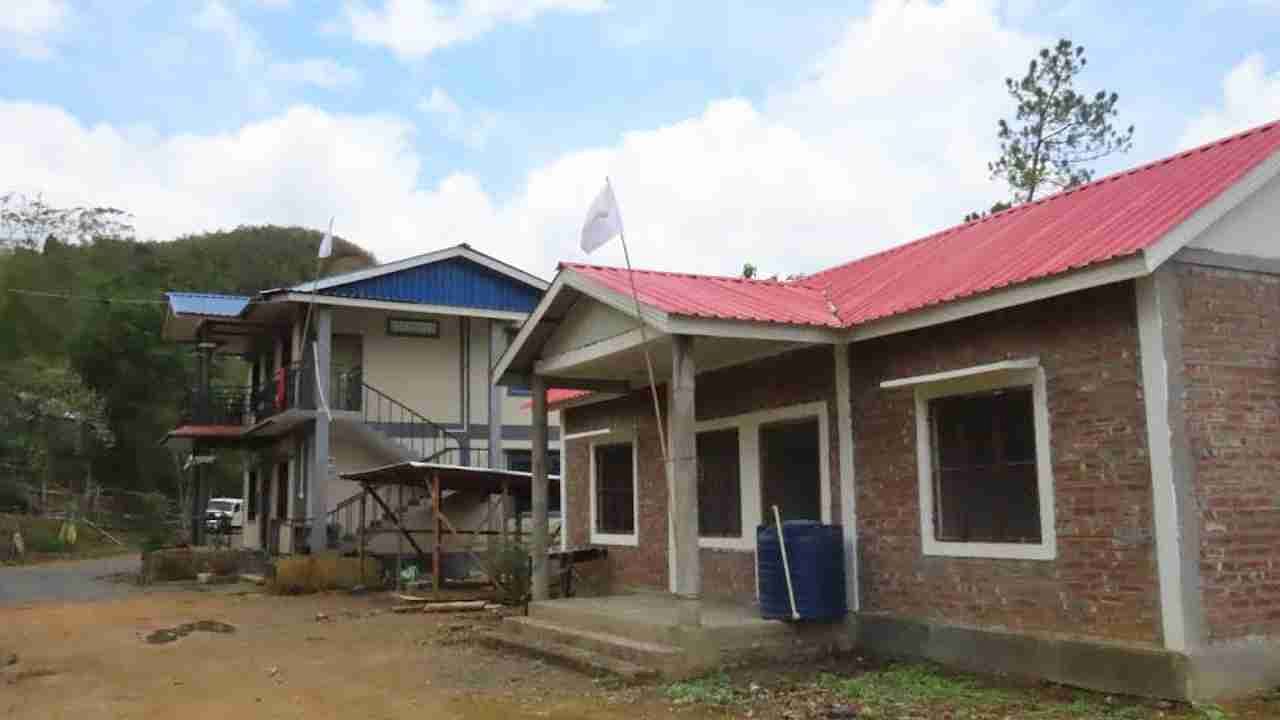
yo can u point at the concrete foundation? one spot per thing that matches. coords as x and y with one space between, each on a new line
1211 673
630 627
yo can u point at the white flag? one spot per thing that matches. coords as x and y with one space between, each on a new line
604 220
326 245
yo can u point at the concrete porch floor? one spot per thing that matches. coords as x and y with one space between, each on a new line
659 610
729 633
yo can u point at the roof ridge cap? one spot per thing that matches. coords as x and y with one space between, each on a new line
693 276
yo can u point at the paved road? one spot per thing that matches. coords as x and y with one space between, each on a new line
66 581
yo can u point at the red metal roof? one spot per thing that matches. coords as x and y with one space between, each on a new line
1117 216
556 396
714 296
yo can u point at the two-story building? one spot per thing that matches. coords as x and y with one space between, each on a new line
352 371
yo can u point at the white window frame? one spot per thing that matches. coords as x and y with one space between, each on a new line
599 538
748 427
1009 374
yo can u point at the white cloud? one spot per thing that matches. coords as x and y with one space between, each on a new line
416 28
320 72
472 128
28 27
885 137
241 40
252 58
1250 96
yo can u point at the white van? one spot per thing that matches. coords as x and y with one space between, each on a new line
219 508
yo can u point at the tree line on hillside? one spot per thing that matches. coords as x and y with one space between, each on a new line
81 312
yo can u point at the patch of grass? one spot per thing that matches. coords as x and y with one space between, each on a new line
924 690
40 536
1212 712
1090 707
714 689
915 685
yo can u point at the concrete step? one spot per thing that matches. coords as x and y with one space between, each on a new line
641 652
635 626
574 658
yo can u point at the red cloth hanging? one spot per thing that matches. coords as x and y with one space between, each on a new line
281 375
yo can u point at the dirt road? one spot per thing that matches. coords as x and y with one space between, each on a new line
93 660
70 581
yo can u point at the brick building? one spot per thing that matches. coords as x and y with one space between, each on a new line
1051 436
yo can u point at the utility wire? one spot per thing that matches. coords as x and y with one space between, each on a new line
86 298
97 298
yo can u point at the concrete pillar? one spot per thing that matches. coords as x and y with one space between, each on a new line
497 343
683 476
1175 512
464 387
848 517
319 480
538 452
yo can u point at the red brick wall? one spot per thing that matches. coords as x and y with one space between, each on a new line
1104 582
1231 351
793 378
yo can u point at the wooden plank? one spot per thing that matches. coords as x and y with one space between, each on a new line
441 607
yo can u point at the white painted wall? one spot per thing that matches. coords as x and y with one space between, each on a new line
423 373
1252 228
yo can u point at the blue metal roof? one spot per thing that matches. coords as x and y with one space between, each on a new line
456 282
207 304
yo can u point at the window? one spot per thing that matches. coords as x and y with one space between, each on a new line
413 327
748 462
982 451
791 470
719 484
613 481
984 469
519 391
522 461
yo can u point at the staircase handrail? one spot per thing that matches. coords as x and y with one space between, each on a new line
414 415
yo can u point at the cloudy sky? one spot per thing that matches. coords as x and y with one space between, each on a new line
733 130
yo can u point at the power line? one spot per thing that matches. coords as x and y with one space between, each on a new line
87 298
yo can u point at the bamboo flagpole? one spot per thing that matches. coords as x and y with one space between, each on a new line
326 249
603 223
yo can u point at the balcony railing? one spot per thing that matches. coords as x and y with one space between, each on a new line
287 388
217 405
294 388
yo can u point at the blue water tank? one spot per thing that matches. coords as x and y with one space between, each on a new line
816 555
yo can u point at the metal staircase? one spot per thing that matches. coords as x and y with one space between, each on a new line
398 430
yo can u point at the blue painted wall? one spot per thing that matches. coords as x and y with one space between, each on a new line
456 282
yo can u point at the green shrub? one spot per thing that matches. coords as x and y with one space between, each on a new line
41 536
507 564
13 497
151 513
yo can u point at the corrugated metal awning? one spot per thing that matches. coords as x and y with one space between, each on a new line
207 304
452 477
